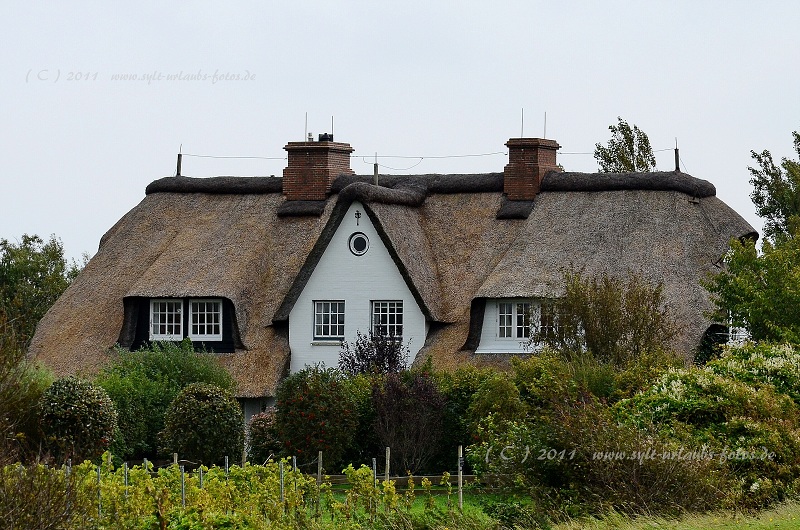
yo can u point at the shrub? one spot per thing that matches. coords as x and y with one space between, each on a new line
582 461
264 443
315 412
497 395
755 433
762 364
458 389
142 385
21 386
365 443
37 497
408 418
77 419
373 353
204 423
613 319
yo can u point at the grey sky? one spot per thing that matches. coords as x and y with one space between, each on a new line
406 78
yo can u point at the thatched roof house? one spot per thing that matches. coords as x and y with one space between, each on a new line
270 272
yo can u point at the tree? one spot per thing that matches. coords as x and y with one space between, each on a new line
760 292
628 150
204 424
33 274
374 353
776 193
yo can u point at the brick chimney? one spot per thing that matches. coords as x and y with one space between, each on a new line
313 166
528 161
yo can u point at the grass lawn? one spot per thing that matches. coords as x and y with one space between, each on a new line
782 517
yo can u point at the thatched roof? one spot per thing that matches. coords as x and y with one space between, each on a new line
455 239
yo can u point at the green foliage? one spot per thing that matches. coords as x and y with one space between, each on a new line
21 386
762 364
760 292
497 395
33 274
365 443
409 410
373 353
628 150
776 193
458 389
77 419
142 385
264 443
204 424
614 319
753 431
38 497
315 412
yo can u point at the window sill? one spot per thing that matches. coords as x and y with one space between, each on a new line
327 342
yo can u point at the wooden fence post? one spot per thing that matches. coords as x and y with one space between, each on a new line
386 471
461 479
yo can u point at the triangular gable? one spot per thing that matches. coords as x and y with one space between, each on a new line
430 287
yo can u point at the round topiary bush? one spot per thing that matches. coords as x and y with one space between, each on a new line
204 424
77 419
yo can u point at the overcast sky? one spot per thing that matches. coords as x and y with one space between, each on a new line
413 78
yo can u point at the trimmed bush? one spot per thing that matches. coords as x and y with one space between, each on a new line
204 424
77 419
315 412
142 385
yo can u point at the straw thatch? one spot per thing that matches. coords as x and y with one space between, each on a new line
455 239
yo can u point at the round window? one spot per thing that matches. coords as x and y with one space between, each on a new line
359 244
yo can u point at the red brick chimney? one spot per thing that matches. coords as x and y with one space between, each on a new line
313 166
528 161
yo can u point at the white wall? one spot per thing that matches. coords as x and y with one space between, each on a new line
341 275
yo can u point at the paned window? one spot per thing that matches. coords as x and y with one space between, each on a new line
514 320
547 320
205 320
387 318
166 320
329 319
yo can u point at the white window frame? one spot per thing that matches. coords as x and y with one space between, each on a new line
329 331
216 320
176 303
387 314
514 319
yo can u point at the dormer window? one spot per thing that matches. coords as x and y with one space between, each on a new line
204 320
515 325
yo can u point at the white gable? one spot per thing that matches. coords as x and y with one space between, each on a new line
358 276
